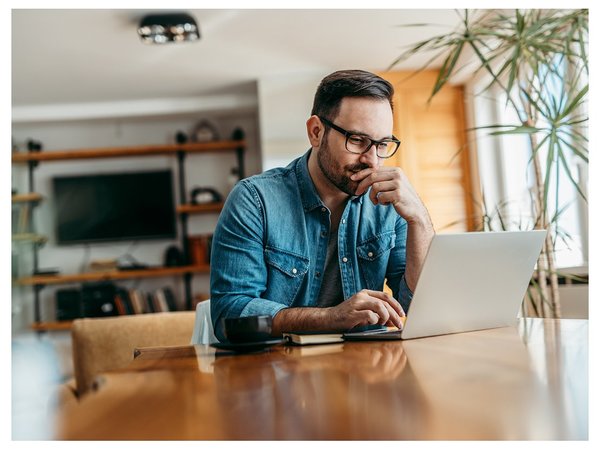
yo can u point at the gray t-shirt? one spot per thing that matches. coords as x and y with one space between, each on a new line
331 292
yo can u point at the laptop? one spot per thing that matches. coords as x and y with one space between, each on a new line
470 281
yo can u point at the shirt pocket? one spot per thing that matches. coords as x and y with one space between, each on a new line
373 256
285 274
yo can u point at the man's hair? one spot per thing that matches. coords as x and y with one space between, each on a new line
348 83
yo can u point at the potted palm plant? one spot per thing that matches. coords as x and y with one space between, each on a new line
538 59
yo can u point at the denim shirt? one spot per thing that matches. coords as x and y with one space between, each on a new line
270 244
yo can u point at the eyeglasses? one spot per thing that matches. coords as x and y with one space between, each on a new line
359 144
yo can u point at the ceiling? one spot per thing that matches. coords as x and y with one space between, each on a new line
96 55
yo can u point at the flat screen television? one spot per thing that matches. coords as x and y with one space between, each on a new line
114 207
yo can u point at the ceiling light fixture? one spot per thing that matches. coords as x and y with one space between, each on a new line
170 27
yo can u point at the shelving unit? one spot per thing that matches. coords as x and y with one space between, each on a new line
44 280
64 325
184 209
29 237
200 209
28 197
120 152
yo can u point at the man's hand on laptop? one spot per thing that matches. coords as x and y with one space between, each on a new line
367 308
364 308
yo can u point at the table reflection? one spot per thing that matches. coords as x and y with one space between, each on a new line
339 391
525 382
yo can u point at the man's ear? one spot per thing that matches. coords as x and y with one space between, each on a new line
315 131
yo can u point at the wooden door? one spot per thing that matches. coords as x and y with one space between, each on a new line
433 153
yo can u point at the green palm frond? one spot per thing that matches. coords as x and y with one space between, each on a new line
538 61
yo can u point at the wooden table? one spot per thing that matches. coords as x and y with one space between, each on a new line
524 382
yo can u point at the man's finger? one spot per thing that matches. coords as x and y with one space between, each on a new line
384 309
364 185
368 317
362 174
368 171
387 298
393 315
373 177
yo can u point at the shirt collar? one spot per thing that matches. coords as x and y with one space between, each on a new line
308 191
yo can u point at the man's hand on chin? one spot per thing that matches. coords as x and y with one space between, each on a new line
390 186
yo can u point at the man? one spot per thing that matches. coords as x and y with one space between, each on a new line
311 244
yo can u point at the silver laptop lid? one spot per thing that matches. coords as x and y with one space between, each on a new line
472 281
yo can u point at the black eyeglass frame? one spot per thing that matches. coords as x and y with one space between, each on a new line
347 134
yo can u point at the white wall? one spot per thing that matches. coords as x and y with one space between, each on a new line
201 170
285 102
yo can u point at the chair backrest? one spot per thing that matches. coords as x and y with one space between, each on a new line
102 344
203 328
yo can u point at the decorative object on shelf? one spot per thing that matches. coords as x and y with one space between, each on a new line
205 131
168 27
181 137
34 146
238 134
200 249
203 195
47 272
173 257
103 265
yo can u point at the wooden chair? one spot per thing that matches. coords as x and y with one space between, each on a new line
102 344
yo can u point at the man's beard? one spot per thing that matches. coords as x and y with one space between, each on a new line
334 172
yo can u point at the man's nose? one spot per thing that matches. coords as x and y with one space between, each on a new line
370 156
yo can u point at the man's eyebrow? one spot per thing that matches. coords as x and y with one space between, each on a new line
360 133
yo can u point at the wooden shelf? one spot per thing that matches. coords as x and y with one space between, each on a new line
29 237
116 152
200 209
52 326
111 275
25 198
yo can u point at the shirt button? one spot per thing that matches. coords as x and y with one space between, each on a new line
318 274
343 220
344 259
323 209
370 254
323 233
294 270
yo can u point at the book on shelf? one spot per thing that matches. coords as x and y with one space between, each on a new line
137 301
150 303
160 302
119 305
123 302
170 298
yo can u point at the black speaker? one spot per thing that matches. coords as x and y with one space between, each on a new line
68 304
173 257
99 299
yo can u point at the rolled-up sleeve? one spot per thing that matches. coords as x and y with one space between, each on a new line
238 272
